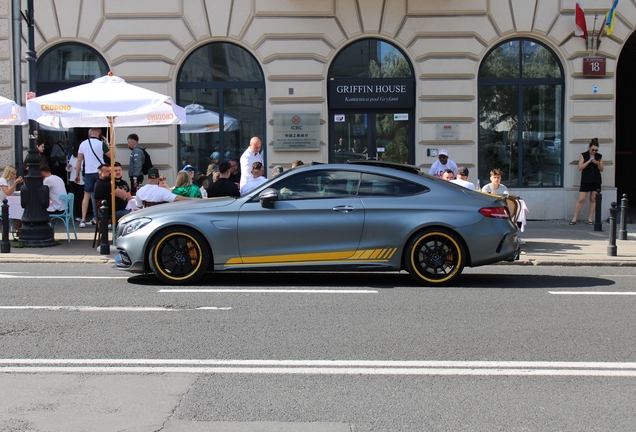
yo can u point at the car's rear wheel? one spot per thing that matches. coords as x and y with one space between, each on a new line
435 257
179 256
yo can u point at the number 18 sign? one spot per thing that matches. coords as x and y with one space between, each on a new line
594 66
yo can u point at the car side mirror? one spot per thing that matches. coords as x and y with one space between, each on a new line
268 197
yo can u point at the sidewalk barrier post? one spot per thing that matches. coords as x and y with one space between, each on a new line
104 213
611 248
598 224
6 244
622 232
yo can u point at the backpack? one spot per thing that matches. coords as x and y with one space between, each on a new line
147 162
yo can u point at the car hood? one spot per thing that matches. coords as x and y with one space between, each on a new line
181 206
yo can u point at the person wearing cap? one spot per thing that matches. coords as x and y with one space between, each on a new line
462 178
441 164
251 155
277 170
190 170
153 193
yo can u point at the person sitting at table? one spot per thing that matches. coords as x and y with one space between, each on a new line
57 188
8 183
103 192
184 186
152 193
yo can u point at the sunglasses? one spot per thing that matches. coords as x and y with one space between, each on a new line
162 179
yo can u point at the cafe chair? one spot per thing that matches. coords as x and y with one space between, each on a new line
66 217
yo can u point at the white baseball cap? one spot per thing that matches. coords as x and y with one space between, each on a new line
442 152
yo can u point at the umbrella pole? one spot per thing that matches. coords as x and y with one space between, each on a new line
111 130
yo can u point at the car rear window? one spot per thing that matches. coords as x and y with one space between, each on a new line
379 185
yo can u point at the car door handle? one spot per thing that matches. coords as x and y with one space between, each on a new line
343 208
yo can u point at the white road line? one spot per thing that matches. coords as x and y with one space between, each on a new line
607 293
320 367
110 308
10 276
268 291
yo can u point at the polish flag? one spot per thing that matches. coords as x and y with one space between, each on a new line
580 26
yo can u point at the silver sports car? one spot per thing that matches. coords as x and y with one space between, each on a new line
360 216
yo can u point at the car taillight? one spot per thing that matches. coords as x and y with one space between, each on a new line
495 212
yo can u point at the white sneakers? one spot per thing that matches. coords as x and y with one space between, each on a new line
82 224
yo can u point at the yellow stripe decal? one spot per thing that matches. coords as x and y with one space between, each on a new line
366 255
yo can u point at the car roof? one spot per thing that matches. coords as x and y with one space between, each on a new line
395 165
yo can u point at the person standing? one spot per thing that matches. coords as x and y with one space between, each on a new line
223 186
76 188
137 159
441 164
91 151
251 155
591 167
58 160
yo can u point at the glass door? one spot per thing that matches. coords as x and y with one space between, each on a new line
381 136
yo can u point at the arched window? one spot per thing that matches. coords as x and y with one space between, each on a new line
222 87
68 65
371 103
521 95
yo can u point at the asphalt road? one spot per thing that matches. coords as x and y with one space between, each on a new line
509 348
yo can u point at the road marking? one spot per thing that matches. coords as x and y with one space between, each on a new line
111 308
10 276
268 291
608 293
320 367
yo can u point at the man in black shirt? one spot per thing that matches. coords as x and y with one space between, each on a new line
102 192
223 186
235 174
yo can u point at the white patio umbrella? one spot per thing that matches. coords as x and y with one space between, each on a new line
107 101
12 114
200 120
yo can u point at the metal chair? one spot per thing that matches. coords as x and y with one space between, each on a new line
66 217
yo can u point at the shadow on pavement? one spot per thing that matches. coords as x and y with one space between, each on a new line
379 281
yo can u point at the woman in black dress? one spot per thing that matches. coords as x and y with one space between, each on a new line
591 167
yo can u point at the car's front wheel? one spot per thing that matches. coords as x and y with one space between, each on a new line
179 256
435 257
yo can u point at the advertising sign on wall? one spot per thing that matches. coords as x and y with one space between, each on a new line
296 130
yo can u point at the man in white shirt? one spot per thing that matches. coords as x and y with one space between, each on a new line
251 155
56 189
153 193
443 163
91 152
462 178
257 178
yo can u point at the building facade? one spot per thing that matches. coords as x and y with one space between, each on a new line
497 83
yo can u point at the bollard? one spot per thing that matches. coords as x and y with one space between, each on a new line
598 224
622 232
611 248
6 244
104 214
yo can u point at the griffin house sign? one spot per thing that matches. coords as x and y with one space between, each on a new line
371 93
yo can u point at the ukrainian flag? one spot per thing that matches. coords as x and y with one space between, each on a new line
609 19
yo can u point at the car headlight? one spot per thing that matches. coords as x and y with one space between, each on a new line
134 225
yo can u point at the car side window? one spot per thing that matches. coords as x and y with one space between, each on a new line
379 186
319 184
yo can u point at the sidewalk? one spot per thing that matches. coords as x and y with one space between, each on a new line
551 242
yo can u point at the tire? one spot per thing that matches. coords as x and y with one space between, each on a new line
435 257
179 256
